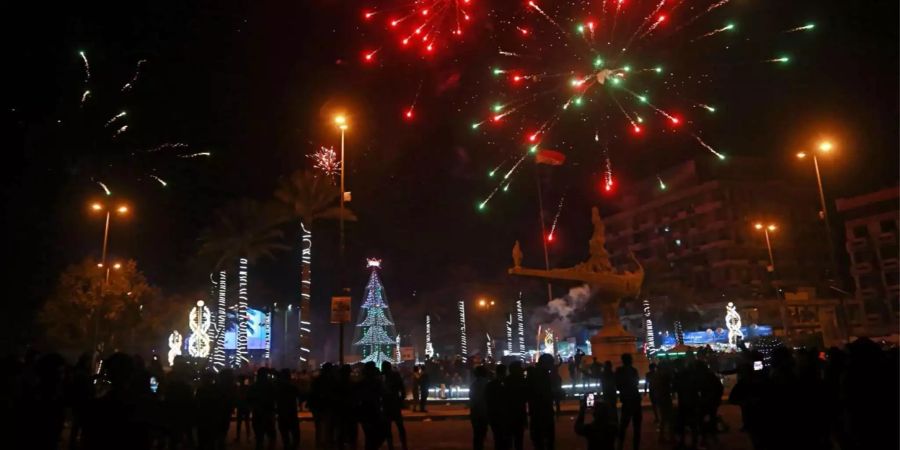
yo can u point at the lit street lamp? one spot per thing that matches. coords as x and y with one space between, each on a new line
341 121
101 207
825 147
771 269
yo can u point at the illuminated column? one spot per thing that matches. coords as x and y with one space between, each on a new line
679 333
218 358
199 323
267 332
211 300
509 334
463 346
397 353
520 318
490 351
429 348
650 347
305 299
175 341
241 350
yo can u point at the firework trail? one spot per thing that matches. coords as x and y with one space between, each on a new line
168 146
662 186
160 180
806 27
708 147
727 27
137 73
556 218
195 155
105 189
84 96
87 66
114 118
121 130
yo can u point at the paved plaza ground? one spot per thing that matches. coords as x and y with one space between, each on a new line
448 428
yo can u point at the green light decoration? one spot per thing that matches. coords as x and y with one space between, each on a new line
658 69
598 62
376 327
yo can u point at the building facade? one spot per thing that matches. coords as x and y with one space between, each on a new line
692 227
870 230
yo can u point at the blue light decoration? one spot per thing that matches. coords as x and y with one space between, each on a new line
719 336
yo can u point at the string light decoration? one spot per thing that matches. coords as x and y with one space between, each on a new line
375 327
218 358
549 342
199 321
509 334
650 345
489 352
175 341
267 332
241 354
429 347
305 289
733 322
520 317
463 345
397 356
679 333
213 294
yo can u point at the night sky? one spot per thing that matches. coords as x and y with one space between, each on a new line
256 84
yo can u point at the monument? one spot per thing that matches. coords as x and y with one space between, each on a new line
608 287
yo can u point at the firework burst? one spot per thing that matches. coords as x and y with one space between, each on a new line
326 160
610 67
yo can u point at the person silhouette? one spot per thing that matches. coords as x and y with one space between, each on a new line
178 403
79 393
227 385
242 408
478 414
118 416
518 401
345 416
541 399
600 434
424 385
210 403
608 386
287 397
627 381
371 407
261 398
394 396
498 408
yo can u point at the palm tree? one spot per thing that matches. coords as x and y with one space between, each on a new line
309 198
246 231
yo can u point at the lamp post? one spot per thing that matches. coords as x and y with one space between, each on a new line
825 147
341 121
771 269
101 207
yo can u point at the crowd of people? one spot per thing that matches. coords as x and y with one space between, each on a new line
844 399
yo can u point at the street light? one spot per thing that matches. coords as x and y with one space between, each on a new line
341 121
771 269
825 147
122 209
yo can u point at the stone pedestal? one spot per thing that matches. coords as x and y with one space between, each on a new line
611 348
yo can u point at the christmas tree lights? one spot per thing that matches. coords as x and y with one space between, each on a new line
175 341
375 329
199 322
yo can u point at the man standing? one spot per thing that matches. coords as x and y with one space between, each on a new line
394 396
287 399
497 396
627 380
541 398
478 412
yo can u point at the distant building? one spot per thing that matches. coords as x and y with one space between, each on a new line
692 227
870 226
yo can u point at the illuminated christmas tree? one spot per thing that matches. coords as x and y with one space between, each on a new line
375 330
